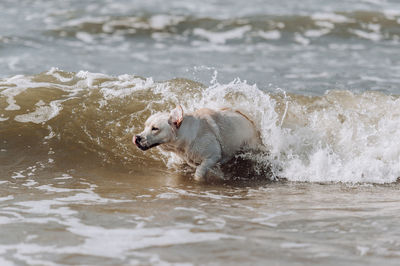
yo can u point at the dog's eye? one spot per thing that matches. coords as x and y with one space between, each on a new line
154 128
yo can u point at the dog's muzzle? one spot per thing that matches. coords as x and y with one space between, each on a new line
138 138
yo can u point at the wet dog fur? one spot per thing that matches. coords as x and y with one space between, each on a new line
203 139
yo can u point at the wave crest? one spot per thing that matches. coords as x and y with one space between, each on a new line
339 137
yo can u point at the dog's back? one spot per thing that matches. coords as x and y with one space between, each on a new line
233 129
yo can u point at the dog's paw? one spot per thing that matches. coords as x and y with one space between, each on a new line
217 174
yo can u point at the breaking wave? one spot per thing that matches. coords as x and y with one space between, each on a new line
375 26
88 119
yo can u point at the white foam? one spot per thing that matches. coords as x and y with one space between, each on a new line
131 23
9 197
55 207
43 207
168 195
336 18
301 39
373 36
156 22
316 33
10 93
125 86
41 113
266 218
222 37
270 35
88 78
18 175
63 177
26 253
96 239
20 84
187 209
85 37
325 24
144 196
79 21
53 72
50 188
30 183
291 245
340 138
363 250
160 22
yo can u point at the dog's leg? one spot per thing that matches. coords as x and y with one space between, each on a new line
205 165
216 172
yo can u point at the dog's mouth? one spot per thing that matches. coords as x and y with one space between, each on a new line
144 148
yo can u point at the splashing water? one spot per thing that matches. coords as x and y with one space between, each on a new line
340 136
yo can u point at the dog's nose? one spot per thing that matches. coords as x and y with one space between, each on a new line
138 138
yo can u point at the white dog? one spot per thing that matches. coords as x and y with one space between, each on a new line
203 138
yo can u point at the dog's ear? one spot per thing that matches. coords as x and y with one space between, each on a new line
176 116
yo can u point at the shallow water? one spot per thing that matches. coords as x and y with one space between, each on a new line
106 218
319 79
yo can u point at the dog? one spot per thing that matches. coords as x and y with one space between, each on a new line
204 138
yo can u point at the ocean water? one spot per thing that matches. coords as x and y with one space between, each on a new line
320 80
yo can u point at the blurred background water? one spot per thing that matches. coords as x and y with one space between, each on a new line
305 47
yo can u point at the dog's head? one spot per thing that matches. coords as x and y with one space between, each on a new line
159 128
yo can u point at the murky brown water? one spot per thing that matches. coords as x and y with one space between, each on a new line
109 218
75 190
79 78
